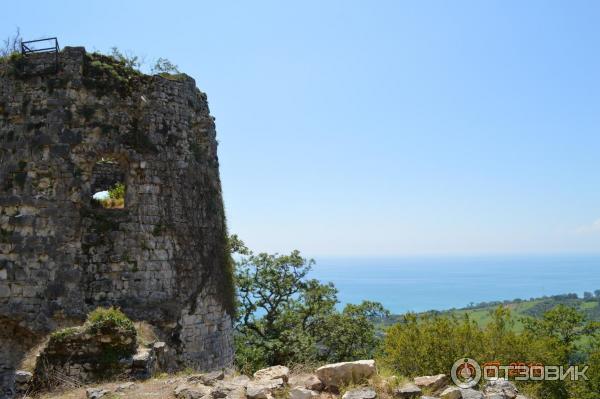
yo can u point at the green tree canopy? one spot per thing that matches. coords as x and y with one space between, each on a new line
284 317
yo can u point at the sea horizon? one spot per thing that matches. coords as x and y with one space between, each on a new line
417 283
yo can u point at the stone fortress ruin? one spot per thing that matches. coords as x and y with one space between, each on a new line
81 126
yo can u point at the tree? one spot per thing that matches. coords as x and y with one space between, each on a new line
286 318
563 323
587 295
129 60
163 65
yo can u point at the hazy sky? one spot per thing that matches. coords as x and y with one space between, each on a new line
376 127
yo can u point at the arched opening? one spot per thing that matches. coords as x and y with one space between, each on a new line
108 184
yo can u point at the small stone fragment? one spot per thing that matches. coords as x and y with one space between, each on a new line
407 391
501 387
273 373
432 382
302 393
360 393
96 393
470 393
125 387
451 393
211 378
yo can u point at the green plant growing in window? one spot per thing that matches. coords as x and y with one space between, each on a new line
116 197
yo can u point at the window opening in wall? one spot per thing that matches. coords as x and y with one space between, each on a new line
108 185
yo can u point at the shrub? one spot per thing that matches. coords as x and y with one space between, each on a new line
164 66
102 318
432 343
11 45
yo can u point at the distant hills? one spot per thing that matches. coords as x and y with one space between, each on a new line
589 304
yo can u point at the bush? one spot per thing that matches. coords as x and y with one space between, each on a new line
431 344
103 318
164 66
117 192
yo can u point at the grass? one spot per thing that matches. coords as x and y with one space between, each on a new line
386 381
519 310
145 333
156 388
105 74
173 76
482 316
61 335
30 358
589 305
112 203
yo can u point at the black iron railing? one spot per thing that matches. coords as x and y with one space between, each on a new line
29 47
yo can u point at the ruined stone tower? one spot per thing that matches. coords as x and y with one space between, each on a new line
162 257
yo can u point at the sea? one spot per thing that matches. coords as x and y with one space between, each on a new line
418 284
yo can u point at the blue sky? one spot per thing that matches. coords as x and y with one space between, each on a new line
381 128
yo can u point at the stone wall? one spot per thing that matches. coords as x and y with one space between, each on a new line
162 259
84 355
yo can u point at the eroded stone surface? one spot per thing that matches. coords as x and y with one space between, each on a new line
338 374
262 389
470 393
96 393
302 393
432 382
272 373
308 381
360 393
451 393
407 391
501 388
161 259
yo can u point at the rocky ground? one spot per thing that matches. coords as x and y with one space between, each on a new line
349 380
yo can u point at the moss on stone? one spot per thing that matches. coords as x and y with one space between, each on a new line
227 293
61 335
20 178
5 235
105 75
173 76
15 63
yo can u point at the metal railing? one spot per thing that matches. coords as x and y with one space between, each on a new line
27 47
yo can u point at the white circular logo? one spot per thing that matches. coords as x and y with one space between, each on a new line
466 373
